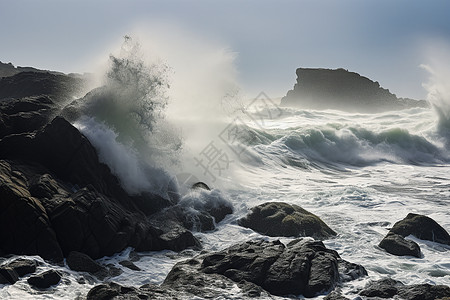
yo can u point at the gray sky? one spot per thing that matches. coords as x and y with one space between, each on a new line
385 40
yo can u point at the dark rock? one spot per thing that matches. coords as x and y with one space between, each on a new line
24 224
384 288
128 264
23 266
350 271
424 292
177 238
45 279
303 267
255 267
104 292
199 210
8 275
422 227
26 114
282 219
389 288
398 245
26 84
335 295
343 90
201 185
81 262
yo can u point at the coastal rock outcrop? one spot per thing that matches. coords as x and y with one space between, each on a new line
283 219
388 288
422 227
343 90
258 268
57 197
398 245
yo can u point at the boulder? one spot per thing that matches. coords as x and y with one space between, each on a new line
398 245
23 266
8 275
256 268
388 288
130 265
282 219
81 262
422 227
199 210
45 280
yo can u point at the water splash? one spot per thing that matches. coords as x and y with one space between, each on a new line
124 120
438 87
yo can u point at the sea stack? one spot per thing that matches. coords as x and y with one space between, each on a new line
343 90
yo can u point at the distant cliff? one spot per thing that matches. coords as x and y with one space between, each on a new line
343 90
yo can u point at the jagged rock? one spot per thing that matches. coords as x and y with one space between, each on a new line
128 264
23 266
282 219
199 210
8 275
335 295
422 227
343 90
302 267
24 224
398 245
25 115
26 84
256 267
45 280
390 288
81 262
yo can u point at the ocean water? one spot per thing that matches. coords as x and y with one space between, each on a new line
359 173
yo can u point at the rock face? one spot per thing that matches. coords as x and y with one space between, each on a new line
422 227
398 245
342 90
85 209
388 289
45 279
257 267
282 219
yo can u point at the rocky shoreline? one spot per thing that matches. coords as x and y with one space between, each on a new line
58 201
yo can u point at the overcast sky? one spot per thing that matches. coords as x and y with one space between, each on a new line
385 40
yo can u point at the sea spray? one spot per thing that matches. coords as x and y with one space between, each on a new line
124 120
438 87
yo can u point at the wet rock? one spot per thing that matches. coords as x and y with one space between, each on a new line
398 245
45 279
335 295
24 224
201 185
23 266
302 267
8 275
177 238
422 227
282 219
128 264
257 268
388 288
81 262
199 210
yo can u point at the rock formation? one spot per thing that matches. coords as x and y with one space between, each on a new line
282 219
342 90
